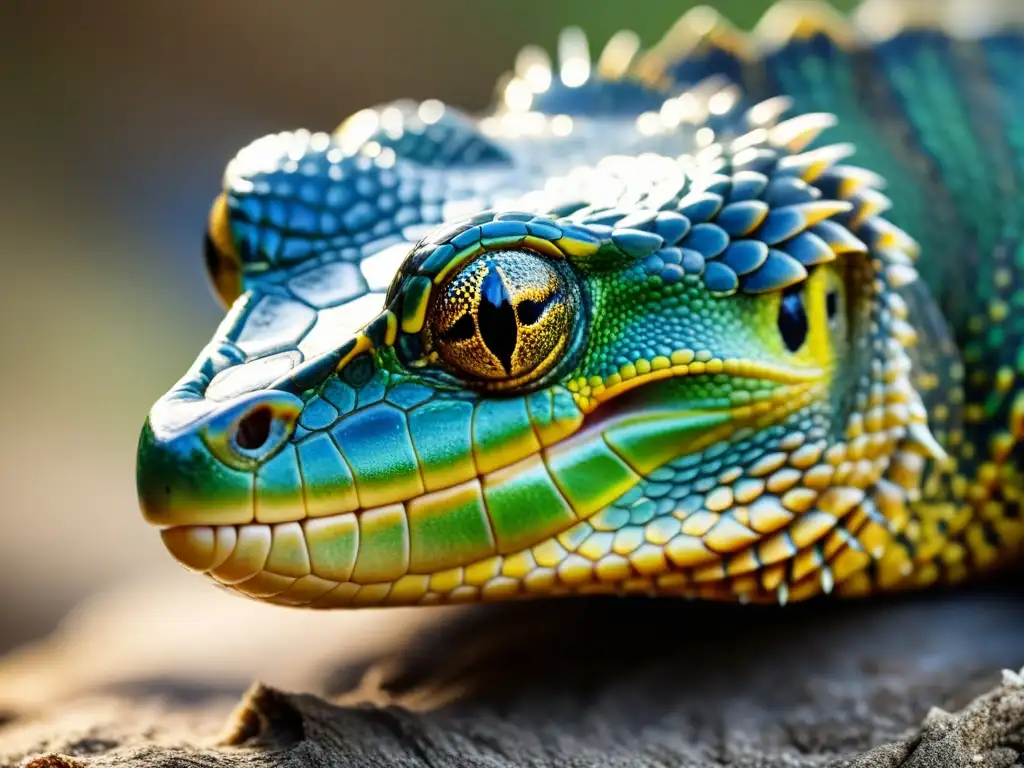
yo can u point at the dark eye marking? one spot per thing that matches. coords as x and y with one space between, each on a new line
793 320
832 303
359 371
530 311
462 330
497 318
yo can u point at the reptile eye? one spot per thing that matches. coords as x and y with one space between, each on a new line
793 319
223 263
504 319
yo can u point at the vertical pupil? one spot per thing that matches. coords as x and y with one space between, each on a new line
831 303
497 318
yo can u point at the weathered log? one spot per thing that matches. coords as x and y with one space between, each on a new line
909 681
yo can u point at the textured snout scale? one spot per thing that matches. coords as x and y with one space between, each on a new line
649 326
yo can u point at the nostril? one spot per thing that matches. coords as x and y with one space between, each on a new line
254 429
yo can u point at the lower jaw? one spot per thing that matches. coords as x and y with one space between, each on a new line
553 568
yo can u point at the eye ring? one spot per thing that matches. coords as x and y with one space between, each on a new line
504 320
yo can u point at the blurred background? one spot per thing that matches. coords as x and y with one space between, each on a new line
116 121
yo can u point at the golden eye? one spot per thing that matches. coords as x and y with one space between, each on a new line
223 263
505 318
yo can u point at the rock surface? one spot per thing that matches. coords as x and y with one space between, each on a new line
906 681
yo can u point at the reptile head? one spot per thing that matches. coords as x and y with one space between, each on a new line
452 371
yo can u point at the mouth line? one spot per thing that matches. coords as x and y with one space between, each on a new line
630 378
711 420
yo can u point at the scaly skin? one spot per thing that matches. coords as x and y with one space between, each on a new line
624 334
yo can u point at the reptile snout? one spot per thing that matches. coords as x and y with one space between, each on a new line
205 472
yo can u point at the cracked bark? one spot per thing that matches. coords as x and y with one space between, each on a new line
907 681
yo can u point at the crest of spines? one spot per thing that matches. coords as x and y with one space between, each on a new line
703 43
575 85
